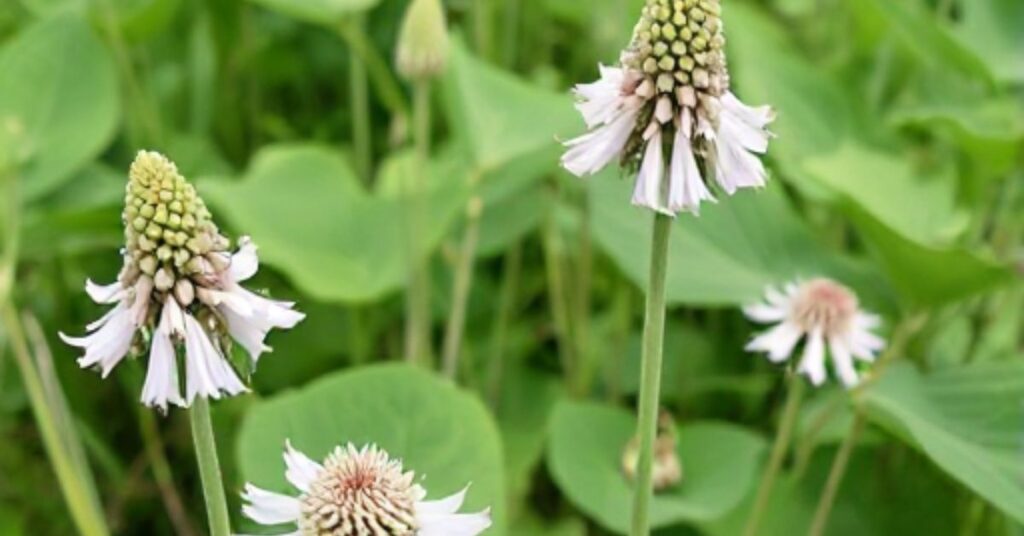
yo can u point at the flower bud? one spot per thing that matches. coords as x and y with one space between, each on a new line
423 40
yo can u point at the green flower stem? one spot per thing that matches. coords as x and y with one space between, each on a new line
482 27
512 270
835 476
388 90
779 448
804 450
558 300
209 468
359 101
463 282
650 377
418 321
86 515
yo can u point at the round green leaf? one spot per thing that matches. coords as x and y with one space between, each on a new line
326 12
59 96
720 465
967 420
442 433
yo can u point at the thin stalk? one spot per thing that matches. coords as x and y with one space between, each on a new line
88 519
558 301
162 473
650 375
511 23
506 309
460 292
418 321
778 455
359 100
582 299
482 27
806 447
835 476
209 468
388 90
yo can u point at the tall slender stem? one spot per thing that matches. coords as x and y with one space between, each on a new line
418 321
650 376
835 476
558 301
388 90
87 518
506 309
460 292
482 27
359 99
778 455
209 468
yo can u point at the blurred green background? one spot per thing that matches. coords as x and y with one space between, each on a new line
898 169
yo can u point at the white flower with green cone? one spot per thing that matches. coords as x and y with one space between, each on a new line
358 492
178 289
667 112
825 314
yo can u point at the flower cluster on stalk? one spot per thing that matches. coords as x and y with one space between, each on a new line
666 112
179 289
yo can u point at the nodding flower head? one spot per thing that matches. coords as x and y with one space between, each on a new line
666 111
178 290
358 492
824 312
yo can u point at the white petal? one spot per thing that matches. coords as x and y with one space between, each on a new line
209 373
592 151
140 306
269 508
843 362
301 471
448 505
161 386
245 262
454 524
778 342
736 168
104 294
757 117
600 101
749 136
109 343
250 317
813 362
648 189
686 185
765 313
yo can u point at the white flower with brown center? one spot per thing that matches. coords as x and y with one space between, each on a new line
667 112
178 290
358 492
824 313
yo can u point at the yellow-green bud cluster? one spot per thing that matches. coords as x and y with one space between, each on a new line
680 43
169 233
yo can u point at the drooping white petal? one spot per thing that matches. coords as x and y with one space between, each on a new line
757 117
208 372
843 362
686 185
592 151
269 508
600 101
140 306
105 294
301 471
250 317
765 313
245 262
109 342
448 505
648 189
454 524
161 386
778 342
737 168
813 362
745 127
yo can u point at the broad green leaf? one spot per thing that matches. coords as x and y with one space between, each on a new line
487 105
968 421
326 12
993 30
439 431
311 218
881 184
531 525
525 406
720 464
59 95
724 257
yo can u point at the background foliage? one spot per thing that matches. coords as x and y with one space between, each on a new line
898 169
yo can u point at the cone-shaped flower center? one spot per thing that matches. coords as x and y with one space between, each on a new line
824 305
169 233
360 492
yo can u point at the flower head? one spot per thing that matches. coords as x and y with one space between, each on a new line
178 290
422 50
827 314
359 492
666 111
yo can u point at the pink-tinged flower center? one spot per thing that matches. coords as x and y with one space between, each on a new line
824 305
360 492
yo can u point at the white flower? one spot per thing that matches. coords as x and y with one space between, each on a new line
177 269
672 84
358 492
826 314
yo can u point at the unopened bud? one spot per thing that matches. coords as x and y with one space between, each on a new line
184 292
423 40
163 280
